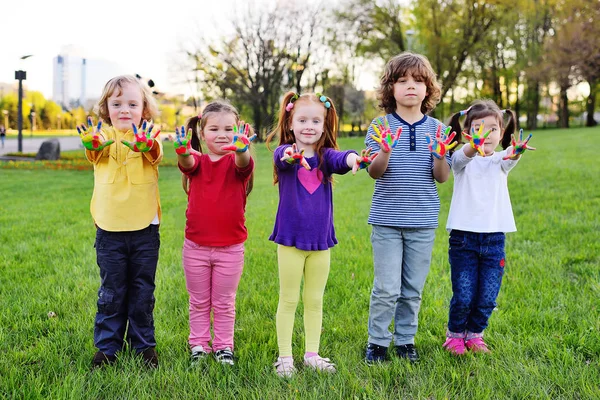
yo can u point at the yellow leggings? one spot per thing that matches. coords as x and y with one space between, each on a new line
293 264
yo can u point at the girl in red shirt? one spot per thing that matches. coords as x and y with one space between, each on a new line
217 183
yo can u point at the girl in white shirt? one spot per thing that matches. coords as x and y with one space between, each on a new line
480 214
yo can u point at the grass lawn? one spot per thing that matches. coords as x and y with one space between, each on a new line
545 334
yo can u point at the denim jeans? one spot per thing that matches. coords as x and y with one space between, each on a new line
127 262
477 266
401 259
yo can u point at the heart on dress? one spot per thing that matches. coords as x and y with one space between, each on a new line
311 180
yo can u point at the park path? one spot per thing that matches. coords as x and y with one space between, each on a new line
32 145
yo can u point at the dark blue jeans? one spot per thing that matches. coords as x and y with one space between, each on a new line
127 262
477 266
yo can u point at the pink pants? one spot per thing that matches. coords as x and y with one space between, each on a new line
212 276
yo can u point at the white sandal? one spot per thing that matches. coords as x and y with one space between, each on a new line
319 363
284 367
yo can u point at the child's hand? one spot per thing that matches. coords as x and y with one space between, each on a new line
364 160
477 140
519 147
293 156
384 137
144 141
439 145
183 143
241 141
93 139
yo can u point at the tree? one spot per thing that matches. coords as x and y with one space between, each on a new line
263 58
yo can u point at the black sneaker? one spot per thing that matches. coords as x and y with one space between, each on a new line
198 354
150 357
375 353
224 356
407 351
100 359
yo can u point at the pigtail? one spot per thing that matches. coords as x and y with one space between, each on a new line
284 126
510 129
251 180
454 124
193 125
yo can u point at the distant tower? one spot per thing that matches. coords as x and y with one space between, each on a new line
82 97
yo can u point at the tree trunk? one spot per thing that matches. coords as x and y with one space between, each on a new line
533 100
563 105
590 105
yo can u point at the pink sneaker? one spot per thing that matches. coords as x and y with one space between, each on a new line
477 345
284 367
455 346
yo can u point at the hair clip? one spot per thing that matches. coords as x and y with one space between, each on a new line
290 105
464 112
504 111
324 100
200 116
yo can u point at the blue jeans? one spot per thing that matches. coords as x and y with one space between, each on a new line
127 262
401 259
477 266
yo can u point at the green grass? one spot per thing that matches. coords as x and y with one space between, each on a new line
545 334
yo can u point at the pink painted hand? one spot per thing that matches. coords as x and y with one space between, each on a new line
183 143
144 141
442 142
518 147
241 141
383 135
477 139
293 156
364 160
93 139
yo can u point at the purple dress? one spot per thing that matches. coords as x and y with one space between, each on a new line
305 213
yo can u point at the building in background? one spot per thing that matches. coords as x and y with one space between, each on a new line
78 80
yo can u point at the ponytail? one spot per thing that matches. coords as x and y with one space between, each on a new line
510 128
193 125
454 124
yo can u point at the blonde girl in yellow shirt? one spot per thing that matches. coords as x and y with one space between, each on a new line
125 207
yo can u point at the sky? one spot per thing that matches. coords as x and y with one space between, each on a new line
142 37
134 36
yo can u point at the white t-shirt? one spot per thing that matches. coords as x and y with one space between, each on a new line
480 199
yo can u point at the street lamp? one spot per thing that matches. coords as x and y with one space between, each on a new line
409 36
21 75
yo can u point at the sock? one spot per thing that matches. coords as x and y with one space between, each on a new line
310 354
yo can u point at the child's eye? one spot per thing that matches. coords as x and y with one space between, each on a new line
316 121
302 120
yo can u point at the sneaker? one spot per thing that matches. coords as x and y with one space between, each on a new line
198 354
150 357
100 359
375 353
407 351
455 345
284 367
319 363
224 356
477 345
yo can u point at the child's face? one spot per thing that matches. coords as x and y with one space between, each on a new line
409 92
490 123
127 108
218 131
308 121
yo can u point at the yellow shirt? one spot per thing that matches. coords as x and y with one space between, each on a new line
126 196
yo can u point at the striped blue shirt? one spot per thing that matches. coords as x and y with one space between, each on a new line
405 195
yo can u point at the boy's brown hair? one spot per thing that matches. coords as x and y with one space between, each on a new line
403 64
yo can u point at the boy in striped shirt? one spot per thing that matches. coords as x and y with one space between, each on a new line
405 206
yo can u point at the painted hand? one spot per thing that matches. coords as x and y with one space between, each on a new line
241 141
442 142
383 135
518 147
364 160
293 156
144 140
477 140
92 139
183 143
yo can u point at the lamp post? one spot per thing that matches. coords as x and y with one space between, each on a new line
409 36
20 75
